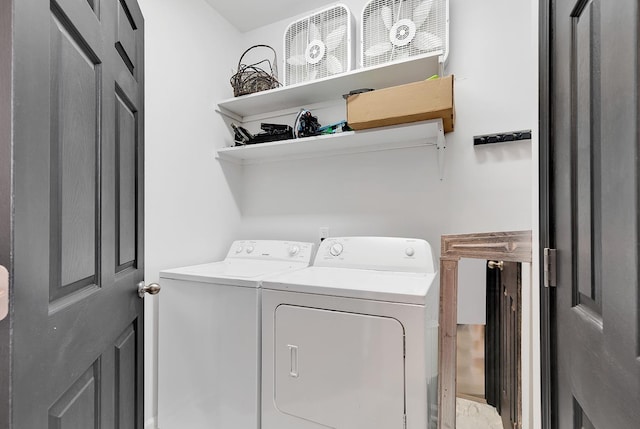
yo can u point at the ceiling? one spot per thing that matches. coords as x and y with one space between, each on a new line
247 15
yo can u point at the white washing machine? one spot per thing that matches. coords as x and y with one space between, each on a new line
351 342
209 336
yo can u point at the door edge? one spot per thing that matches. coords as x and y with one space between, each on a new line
548 354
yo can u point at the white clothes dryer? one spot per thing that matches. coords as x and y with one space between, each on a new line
209 335
351 342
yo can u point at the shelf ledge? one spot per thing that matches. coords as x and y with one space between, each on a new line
332 88
425 133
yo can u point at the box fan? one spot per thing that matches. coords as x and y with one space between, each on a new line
319 45
393 30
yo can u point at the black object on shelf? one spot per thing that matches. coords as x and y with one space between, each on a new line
510 136
306 124
241 135
270 133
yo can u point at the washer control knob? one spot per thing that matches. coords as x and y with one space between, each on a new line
409 251
336 249
238 249
249 249
293 250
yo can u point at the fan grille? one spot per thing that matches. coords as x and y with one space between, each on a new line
318 46
393 30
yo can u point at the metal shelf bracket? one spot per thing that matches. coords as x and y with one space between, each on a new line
441 145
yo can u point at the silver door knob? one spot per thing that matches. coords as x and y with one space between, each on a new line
152 289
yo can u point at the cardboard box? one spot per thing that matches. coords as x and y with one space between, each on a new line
418 101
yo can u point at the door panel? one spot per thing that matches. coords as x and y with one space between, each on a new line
77 322
503 356
75 145
594 211
126 189
510 407
78 407
492 343
125 379
126 42
586 143
93 4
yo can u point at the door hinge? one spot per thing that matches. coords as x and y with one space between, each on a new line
549 266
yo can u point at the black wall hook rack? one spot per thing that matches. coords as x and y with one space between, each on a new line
510 136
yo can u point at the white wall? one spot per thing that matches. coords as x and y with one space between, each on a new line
493 55
191 207
398 193
496 87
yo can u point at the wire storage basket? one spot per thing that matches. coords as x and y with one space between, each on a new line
254 77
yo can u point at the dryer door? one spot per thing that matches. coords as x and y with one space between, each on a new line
341 370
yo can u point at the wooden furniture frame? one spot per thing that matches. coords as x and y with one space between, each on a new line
512 246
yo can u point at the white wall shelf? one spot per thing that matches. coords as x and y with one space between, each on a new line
331 88
426 133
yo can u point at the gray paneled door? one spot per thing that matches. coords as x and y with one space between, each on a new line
594 211
74 355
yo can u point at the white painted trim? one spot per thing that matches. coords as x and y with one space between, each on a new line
151 423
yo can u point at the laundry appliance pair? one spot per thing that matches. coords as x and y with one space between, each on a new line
349 342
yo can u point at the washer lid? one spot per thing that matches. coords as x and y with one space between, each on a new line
235 272
389 286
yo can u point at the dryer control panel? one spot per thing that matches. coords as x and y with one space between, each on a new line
271 250
376 253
